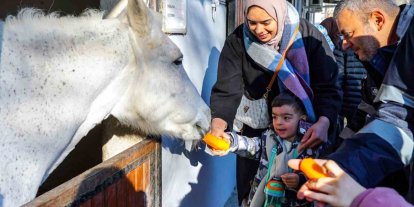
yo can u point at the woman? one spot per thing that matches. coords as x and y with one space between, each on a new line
269 25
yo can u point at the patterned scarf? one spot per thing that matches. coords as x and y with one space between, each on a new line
294 73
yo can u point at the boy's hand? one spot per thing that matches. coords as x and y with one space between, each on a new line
291 180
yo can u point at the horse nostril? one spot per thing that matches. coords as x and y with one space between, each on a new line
202 128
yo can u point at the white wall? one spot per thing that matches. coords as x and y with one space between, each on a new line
196 178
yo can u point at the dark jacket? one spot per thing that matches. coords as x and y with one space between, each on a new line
237 72
370 86
351 73
384 145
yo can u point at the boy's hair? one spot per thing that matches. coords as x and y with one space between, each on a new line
288 98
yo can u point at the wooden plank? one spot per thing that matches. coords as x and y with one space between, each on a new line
87 203
142 184
98 199
121 199
139 185
110 196
156 178
131 194
85 183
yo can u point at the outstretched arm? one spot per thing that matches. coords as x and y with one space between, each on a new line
341 190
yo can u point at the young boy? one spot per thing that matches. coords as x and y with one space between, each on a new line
275 184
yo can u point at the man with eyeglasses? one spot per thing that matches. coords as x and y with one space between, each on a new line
382 36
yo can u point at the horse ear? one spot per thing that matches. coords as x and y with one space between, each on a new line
138 15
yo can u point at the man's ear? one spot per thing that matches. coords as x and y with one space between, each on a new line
378 18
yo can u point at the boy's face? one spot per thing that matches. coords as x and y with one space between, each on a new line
285 121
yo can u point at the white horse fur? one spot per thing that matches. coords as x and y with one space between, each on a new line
61 76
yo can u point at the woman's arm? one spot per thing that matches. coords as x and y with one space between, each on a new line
380 197
228 89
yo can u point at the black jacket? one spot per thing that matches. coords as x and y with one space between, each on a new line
370 87
351 73
237 72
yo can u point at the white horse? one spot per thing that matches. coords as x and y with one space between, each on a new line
61 76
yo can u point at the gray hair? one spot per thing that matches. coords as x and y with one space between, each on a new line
363 7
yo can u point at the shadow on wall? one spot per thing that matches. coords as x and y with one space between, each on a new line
215 181
210 76
87 153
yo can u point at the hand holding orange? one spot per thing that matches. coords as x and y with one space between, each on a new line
312 169
216 143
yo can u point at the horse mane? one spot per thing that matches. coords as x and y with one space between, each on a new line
36 15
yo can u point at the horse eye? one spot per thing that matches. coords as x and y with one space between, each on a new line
178 61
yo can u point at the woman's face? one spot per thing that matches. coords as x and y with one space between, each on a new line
261 24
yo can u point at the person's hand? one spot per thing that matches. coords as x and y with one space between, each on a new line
338 190
217 127
316 134
291 180
222 152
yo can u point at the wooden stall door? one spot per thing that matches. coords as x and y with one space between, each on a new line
132 178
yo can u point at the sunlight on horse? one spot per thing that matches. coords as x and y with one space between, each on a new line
61 76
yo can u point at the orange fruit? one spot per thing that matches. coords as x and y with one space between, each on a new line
216 143
312 169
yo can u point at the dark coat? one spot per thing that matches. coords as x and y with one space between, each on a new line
351 73
372 156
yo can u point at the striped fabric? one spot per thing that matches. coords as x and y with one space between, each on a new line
397 101
385 145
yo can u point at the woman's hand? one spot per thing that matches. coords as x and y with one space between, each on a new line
291 180
217 127
316 134
338 190
222 152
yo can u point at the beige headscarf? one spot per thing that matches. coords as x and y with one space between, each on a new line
276 9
